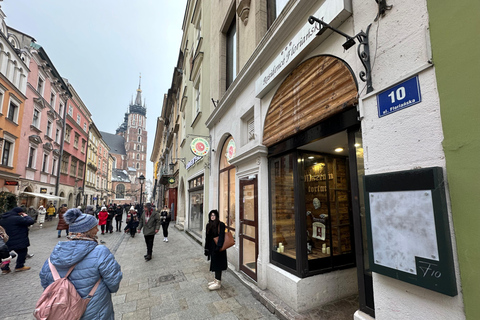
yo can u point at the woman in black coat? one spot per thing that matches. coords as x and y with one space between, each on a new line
218 259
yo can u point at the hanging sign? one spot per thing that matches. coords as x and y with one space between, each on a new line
43 190
171 180
399 97
199 147
231 150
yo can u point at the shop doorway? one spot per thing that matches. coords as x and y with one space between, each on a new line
248 235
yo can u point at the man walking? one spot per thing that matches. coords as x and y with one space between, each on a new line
16 223
150 222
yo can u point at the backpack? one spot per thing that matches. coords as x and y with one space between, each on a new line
60 300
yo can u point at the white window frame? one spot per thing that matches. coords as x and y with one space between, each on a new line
36 118
70 111
42 89
16 103
54 100
32 154
45 163
79 119
11 152
49 128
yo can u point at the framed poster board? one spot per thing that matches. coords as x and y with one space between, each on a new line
408 230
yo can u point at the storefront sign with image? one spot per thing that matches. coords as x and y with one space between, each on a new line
200 147
231 150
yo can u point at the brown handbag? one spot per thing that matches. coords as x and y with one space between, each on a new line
229 241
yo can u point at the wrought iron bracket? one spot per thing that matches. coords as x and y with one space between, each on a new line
362 49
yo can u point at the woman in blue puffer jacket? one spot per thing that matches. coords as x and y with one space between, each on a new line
92 261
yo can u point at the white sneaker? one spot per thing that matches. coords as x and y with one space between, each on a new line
166 239
215 286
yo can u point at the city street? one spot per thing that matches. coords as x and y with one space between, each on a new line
173 285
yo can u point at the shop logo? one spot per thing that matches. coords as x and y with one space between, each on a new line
200 147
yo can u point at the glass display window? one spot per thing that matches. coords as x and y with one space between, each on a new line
311 216
227 172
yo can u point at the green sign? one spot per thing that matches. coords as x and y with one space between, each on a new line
171 180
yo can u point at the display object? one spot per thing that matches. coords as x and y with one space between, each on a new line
407 226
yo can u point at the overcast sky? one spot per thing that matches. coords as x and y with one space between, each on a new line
102 46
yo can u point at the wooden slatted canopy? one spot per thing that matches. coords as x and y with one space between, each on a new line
316 90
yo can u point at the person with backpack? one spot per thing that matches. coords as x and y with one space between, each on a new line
91 263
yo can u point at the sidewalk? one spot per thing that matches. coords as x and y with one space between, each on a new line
173 285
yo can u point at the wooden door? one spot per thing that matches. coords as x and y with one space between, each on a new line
248 235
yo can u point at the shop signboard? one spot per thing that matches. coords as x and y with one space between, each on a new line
43 190
407 225
200 147
401 96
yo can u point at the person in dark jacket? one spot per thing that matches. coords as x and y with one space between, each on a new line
119 217
132 222
16 223
62 225
90 210
165 218
111 213
150 222
92 262
218 259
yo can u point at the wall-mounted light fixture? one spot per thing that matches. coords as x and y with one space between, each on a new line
364 55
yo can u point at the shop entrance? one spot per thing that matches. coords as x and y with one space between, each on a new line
248 226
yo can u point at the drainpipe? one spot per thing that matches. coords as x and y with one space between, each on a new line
62 140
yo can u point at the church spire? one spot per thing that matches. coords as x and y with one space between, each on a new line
138 100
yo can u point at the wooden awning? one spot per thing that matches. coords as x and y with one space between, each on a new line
317 89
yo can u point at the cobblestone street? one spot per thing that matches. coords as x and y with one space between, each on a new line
173 285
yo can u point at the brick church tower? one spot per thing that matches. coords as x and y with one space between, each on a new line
134 131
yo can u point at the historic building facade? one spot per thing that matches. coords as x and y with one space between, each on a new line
128 147
39 146
326 160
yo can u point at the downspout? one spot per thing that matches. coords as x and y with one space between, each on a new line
62 140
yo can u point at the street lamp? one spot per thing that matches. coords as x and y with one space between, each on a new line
142 180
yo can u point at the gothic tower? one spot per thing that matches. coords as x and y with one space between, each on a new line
134 131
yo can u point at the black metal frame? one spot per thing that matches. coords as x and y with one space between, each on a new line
362 49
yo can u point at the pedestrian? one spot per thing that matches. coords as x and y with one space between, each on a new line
165 218
62 225
50 212
91 262
132 222
5 255
41 216
150 222
90 210
102 219
111 214
32 213
118 218
16 223
218 259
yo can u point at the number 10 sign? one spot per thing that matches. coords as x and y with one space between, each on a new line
399 97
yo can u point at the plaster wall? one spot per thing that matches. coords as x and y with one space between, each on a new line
307 293
407 139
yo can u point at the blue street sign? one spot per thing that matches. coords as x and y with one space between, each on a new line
399 97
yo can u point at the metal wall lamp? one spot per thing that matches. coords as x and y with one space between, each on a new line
362 50
172 165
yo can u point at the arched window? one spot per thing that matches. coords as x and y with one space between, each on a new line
139 131
138 165
139 139
138 147
227 185
120 191
138 156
